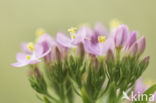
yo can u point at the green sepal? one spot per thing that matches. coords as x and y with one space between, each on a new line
84 96
46 100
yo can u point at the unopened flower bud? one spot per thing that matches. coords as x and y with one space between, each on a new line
141 45
146 59
37 81
56 54
94 61
144 63
80 50
133 49
120 36
34 73
110 55
131 39
37 73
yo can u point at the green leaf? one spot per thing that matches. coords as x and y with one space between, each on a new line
148 92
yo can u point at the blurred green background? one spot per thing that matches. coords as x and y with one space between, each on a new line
20 18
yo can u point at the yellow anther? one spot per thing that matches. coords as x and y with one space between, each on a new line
114 23
72 30
101 39
73 36
28 57
40 32
30 46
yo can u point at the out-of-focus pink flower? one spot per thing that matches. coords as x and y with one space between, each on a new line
110 55
140 87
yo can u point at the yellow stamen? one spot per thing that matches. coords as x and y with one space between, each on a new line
28 57
40 32
73 36
101 39
72 30
114 23
30 46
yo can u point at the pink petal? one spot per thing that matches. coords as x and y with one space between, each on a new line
21 57
91 48
140 87
109 44
46 38
34 61
44 54
83 33
19 64
24 47
38 50
64 40
100 29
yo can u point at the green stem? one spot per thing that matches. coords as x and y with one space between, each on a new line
62 96
118 54
52 98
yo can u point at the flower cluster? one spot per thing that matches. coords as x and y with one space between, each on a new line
93 63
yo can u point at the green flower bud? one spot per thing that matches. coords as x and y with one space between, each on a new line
37 81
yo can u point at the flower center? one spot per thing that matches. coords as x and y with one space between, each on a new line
101 39
28 57
72 32
30 46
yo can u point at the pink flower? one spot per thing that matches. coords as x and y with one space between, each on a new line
99 30
100 48
24 59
